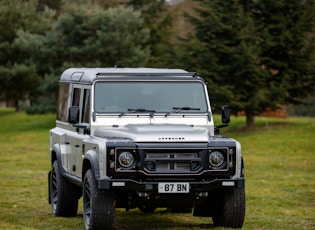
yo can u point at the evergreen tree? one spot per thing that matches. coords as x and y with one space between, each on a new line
52 4
229 58
86 35
90 36
19 75
259 52
287 35
156 17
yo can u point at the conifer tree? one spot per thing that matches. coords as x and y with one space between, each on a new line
159 20
287 38
231 64
259 52
90 36
18 73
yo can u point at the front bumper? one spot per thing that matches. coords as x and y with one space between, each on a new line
152 187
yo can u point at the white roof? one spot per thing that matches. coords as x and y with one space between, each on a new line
88 75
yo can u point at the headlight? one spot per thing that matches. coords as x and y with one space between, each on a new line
216 159
126 159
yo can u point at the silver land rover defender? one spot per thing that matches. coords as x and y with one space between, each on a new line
142 138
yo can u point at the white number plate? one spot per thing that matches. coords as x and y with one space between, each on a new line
173 187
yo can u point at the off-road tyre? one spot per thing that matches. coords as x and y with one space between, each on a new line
147 208
63 194
98 205
230 208
180 209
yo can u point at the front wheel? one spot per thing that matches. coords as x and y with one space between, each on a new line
98 205
230 208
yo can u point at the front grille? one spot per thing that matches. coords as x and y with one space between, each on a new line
172 162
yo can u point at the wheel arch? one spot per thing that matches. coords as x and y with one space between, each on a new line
56 156
91 161
239 161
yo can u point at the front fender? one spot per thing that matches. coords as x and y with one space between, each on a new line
57 152
91 161
239 161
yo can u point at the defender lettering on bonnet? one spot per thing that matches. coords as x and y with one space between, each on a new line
142 138
171 138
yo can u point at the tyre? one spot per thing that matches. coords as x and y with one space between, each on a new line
147 208
98 205
180 209
230 209
63 195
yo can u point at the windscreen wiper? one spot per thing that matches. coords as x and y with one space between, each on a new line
139 111
179 109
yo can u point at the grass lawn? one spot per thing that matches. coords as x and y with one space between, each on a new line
279 170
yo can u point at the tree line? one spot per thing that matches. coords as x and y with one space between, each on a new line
255 54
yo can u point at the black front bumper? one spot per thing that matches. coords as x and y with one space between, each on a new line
152 187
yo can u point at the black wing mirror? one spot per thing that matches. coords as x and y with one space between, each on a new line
225 110
225 116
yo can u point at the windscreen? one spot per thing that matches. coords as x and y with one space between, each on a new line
155 96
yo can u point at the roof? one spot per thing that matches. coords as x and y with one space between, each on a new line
89 75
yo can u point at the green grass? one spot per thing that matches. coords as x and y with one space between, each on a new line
279 170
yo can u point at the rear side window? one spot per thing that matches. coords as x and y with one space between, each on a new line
63 102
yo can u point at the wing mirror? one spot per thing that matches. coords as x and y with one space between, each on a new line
225 117
225 110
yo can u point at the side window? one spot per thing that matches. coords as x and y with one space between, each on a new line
86 106
63 96
76 97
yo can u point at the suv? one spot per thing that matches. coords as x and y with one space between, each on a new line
142 138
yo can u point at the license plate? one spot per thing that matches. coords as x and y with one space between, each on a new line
173 187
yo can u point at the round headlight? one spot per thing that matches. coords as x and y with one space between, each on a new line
216 159
126 159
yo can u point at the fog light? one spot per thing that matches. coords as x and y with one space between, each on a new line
126 159
112 165
216 159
